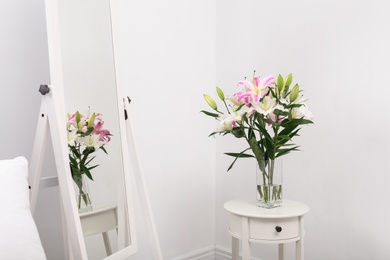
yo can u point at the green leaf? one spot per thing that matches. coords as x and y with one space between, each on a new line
279 146
213 133
296 122
286 151
231 165
244 119
264 132
86 171
256 149
90 160
238 132
85 157
210 101
78 180
251 133
240 155
294 105
288 129
270 148
238 108
103 149
75 171
273 94
72 160
283 137
210 114
295 133
89 131
93 167
74 151
220 93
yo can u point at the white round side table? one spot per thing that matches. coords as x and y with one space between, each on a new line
98 221
252 224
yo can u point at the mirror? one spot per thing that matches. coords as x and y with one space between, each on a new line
83 56
89 84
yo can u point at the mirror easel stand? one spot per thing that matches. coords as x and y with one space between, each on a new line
140 185
49 122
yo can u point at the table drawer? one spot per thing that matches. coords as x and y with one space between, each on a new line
266 229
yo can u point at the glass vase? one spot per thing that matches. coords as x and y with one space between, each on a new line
83 197
269 177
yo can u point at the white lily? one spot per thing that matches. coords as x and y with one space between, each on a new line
301 112
300 100
227 121
266 106
72 135
91 141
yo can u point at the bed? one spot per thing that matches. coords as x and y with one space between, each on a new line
19 238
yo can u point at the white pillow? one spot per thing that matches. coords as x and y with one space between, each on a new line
19 238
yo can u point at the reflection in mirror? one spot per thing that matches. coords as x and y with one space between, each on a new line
90 87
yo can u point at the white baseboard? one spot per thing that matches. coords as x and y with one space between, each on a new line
222 253
209 253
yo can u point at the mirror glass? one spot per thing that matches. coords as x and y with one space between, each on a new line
90 87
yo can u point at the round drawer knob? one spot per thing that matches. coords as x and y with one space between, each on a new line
278 229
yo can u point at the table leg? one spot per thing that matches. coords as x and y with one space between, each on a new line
107 244
281 251
299 251
246 250
235 248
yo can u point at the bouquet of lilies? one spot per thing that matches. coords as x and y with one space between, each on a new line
85 137
267 112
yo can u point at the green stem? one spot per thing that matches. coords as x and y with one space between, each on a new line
271 172
227 108
80 196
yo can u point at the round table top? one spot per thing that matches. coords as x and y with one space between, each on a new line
248 208
97 211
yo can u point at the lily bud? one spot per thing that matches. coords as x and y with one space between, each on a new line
77 117
288 80
294 93
280 83
210 101
91 120
220 93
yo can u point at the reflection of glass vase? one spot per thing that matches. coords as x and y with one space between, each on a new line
269 183
83 198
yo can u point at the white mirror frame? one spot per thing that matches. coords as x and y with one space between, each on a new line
56 77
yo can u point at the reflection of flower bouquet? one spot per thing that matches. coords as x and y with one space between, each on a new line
85 137
266 113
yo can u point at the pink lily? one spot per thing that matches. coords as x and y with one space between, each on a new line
103 133
256 89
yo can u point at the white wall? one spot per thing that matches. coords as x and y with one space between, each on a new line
339 53
23 67
167 56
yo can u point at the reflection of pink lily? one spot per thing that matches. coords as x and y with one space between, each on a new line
71 121
256 89
103 133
